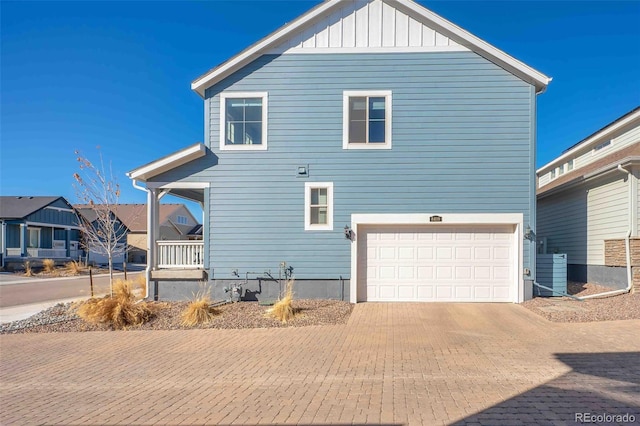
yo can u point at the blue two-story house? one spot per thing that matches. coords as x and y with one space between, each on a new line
372 148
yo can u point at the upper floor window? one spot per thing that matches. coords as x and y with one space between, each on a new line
182 220
553 173
602 145
367 119
570 165
318 206
243 121
561 170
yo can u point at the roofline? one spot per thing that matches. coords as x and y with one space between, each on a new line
168 162
611 167
484 49
603 133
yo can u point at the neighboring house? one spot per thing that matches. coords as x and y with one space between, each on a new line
374 149
588 204
175 222
37 228
95 253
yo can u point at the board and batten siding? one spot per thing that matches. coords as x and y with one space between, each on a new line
463 142
577 221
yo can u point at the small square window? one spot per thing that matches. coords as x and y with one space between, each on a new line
367 120
318 206
243 121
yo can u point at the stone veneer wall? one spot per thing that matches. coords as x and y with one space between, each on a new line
615 255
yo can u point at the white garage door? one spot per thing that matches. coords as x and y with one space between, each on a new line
436 263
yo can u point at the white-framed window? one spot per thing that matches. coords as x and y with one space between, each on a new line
182 220
602 146
33 237
243 121
318 206
553 173
366 119
561 170
570 165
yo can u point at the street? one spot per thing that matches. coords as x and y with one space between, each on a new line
16 291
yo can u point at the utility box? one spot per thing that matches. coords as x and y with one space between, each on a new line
551 271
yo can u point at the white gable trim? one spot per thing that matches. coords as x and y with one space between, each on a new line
169 162
367 26
412 10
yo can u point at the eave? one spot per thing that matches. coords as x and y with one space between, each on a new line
463 37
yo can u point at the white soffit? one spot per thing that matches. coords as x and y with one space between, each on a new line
169 162
356 31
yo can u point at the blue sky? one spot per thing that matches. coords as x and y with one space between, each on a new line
76 75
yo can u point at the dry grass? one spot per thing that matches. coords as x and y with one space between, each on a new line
199 310
120 311
73 267
282 309
49 265
140 283
28 272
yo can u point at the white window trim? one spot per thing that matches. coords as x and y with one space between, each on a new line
231 95
307 206
387 118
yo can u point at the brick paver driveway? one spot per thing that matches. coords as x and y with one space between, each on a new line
392 364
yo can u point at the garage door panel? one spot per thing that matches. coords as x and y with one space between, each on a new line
424 263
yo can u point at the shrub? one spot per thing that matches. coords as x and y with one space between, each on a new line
198 311
282 309
73 267
49 265
119 311
28 272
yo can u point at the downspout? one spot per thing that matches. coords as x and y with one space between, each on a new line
147 272
627 245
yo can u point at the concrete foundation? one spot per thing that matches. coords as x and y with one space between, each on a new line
254 290
614 277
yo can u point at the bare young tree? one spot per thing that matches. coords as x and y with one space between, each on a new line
99 191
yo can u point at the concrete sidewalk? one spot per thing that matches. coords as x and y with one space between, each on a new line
20 312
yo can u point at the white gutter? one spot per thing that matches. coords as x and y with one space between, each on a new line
626 244
147 271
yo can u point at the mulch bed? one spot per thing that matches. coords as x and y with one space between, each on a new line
61 318
565 309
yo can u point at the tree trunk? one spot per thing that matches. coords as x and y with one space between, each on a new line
111 274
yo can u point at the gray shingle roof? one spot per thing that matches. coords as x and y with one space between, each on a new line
18 207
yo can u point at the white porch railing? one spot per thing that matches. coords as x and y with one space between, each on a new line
46 253
180 254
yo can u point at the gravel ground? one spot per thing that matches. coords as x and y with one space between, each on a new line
565 309
61 318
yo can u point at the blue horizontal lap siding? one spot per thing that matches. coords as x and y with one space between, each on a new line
462 143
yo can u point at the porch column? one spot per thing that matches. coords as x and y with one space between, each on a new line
67 241
3 242
152 228
24 237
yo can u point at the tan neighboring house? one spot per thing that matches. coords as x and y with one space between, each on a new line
587 205
175 223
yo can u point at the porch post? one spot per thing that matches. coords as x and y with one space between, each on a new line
152 220
23 240
3 242
205 229
67 241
